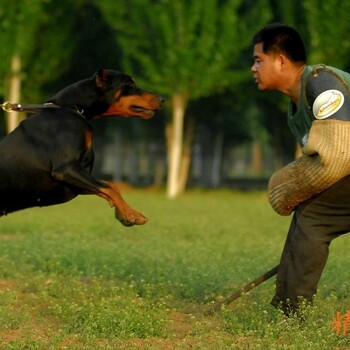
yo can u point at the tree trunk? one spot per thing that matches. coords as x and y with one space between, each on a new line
257 157
179 103
186 156
217 158
14 93
206 153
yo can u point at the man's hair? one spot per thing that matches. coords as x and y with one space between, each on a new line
279 38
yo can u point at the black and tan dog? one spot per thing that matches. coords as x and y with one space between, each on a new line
48 158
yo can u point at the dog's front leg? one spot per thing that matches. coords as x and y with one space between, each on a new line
74 174
123 212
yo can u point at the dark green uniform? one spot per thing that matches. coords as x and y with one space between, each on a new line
326 215
300 118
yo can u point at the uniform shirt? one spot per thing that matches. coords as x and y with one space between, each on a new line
325 94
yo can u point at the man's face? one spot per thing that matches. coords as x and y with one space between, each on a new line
265 69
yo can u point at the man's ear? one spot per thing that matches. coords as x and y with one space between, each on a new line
283 61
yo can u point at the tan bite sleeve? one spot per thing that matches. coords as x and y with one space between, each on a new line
325 160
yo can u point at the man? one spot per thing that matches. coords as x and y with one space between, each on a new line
316 186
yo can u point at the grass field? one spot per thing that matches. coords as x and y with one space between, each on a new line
72 277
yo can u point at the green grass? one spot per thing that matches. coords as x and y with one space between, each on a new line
72 277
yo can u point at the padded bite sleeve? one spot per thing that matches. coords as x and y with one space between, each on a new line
325 160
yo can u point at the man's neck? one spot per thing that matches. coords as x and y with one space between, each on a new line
292 86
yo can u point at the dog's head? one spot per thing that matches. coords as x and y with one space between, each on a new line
123 97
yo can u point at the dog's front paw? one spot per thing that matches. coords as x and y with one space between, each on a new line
130 217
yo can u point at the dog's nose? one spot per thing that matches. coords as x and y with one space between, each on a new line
161 99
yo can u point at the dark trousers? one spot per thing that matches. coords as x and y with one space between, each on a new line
315 224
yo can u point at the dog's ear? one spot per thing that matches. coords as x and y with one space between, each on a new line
103 79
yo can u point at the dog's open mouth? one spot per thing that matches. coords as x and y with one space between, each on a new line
147 113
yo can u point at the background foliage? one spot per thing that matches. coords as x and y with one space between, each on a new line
198 50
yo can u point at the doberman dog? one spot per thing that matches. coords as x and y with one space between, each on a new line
48 158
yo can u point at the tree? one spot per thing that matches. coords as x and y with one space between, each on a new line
51 47
328 26
32 35
222 123
186 50
16 37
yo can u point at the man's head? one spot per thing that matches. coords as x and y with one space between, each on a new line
277 49
281 39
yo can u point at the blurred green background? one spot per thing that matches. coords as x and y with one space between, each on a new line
195 53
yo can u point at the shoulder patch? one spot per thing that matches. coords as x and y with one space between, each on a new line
327 103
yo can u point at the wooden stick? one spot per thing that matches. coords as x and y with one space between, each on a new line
245 289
